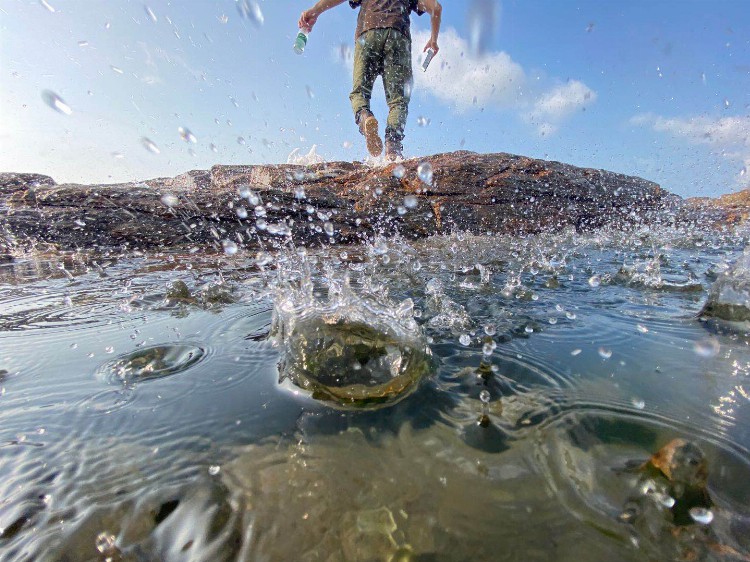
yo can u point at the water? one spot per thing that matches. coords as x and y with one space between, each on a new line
181 443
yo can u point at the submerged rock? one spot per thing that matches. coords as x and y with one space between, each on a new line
729 296
248 207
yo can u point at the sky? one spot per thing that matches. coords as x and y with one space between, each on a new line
103 91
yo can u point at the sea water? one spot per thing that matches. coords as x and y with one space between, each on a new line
151 407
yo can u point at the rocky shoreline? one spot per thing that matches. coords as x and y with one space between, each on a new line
262 205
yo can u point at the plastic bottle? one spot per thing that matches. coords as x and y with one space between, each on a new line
427 59
301 40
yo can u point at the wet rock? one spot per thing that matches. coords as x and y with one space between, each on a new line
254 206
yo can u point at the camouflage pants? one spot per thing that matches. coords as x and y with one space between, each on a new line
384 52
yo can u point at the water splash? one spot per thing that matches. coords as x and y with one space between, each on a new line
56 102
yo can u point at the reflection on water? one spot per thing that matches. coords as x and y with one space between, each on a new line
141 415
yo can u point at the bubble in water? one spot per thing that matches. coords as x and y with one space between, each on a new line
464 339
328 228
230 247
399 172
213 470
46 5
424 171
605 353
150 13
707 348
169 200
490 329
56 102
638 403
410 201
488 348
484 396
187 135
251 11
595 280
701 515
150 145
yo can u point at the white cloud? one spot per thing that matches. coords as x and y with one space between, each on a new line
465 82
559 103
729 136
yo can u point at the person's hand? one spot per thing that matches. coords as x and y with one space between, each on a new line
431 44
307 19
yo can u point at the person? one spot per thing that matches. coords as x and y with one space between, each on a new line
382 47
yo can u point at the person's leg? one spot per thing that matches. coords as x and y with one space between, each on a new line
397 80
368 63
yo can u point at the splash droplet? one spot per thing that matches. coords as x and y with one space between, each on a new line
310 93
241 212
46 5
56 102
605 353
213 470
638 403
484 396
116 69
328 228
423 121
424 171
251 11
642 329
150 13
213 147
399 172
707 348
150 145
575 352
187 135
595 281
464 339
410 201
701 515
230 247
169 200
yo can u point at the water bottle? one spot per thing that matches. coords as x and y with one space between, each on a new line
301 40
427 59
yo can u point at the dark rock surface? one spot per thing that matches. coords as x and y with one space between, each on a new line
499 193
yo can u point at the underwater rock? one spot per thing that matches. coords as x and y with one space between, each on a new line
354 350
249 207
729 296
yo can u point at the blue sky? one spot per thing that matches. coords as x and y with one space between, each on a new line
659 89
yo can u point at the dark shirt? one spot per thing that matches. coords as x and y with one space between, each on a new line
379 14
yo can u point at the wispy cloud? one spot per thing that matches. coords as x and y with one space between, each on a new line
466 83
729 136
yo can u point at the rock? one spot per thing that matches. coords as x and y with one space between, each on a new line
499 193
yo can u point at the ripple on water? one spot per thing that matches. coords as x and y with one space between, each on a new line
150 363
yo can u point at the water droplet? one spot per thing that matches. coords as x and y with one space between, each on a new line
251 11
150 13
213 470
105 543
488 348
169 200
73 346
299 192
83 43
605 353
570 315
380 247
328 228
707 348
399 172
230 247
223 18
56 102
484 396
240 140
424 171
118 155
107 25
552 320
401 210
642 329
241 212
638 403
109 349
213 147
481 19
665 500
575 352
310 93
47 6
187 135
595 281
727 104
701 515
423 121
410 201
116 69
590 27
490 329
464 339
150 145
528 330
